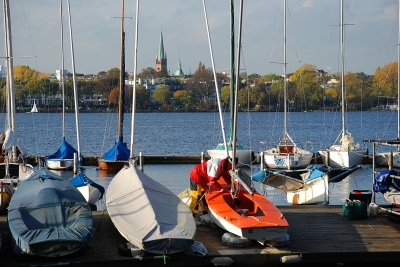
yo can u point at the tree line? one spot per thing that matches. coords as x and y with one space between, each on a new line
308 89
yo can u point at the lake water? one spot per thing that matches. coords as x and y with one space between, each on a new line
193 133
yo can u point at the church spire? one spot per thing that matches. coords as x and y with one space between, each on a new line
161 58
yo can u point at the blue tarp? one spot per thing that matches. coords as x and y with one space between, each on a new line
81 180
47 215
118 152
383 181
66 151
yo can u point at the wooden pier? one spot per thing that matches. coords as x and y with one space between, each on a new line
318 235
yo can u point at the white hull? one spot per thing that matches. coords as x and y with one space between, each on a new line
314 192
342 158
147 214
259 234
60 164
244 156
298 160
90 193
382 159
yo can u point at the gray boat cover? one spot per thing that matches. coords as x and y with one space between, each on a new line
147 214
48 216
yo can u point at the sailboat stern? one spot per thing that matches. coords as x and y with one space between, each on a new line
337 157
287 157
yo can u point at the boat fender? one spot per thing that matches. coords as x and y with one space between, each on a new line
279 241
373 210
291 259
207 221
233 240
222 261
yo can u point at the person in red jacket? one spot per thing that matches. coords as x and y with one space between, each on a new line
207 172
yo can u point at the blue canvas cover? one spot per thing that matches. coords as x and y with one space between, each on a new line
383 181
66 151
81 180
118 152
48 216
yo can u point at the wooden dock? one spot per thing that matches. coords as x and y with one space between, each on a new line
318 235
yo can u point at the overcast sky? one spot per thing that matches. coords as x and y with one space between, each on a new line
312 34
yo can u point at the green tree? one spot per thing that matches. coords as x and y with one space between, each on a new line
162 94
185 97
142 97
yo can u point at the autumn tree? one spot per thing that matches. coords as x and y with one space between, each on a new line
202 82
306 90
385 80
185 97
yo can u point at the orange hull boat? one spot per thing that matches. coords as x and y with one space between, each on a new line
111 164
246 215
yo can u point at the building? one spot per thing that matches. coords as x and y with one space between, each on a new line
161 58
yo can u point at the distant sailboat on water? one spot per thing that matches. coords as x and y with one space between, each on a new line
34 108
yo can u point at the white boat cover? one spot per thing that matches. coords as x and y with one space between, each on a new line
147 214
48 216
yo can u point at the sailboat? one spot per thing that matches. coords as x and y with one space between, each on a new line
344 152
13 168
286 155
34 108
239 209
147 214
63 158
302 183
243 154
117 156
382 159
91 191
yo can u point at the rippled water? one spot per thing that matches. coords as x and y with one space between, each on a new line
192 133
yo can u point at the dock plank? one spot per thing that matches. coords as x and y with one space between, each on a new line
318 233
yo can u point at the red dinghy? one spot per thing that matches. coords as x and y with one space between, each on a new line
247 215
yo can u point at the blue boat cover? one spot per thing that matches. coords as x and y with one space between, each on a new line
118 152
81 180
66 151
383 181
48 216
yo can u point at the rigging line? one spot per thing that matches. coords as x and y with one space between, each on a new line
30 35
291 17
276 34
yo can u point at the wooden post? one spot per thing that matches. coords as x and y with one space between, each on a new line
202 157
390 160
75 163
261 156
141 161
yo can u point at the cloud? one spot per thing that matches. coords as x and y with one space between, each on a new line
307 4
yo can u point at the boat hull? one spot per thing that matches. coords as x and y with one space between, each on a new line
244 156
342 158
49 217
313 192
295 159
255 217
382 159
60 164
112 164
90 193
147 214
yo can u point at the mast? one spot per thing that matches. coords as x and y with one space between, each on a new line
62 71
215 81
74 83
237 84
134 83
284 75
121 79
342 67
232 87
